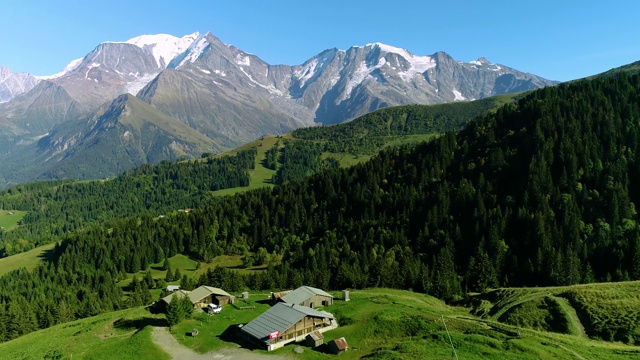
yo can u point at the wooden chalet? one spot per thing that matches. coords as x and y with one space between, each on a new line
286 323
308 296
202 296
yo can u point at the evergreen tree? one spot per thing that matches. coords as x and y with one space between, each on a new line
148 279
175 311
177 275
170 275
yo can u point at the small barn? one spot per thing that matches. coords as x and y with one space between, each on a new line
308 296
315 339
286 323
338 346
204 295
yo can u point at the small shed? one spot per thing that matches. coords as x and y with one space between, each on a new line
172 288
315 339
245 295
338 346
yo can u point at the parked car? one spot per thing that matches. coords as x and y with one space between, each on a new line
214 309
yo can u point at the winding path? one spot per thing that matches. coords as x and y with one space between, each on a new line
170 345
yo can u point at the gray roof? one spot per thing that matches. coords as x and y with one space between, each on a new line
204 291
303 293
280 318
197 294
179 293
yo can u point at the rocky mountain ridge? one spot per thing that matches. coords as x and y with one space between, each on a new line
230 96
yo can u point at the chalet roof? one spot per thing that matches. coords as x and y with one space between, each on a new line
179 293
280 318
340 344
303 293
204 291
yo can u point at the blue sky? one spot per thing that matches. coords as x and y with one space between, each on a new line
559 40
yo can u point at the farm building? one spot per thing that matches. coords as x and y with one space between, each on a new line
308 296
315 339
205 295
286 323
338 346
202 296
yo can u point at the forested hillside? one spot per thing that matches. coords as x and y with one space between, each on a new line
538 193
58 207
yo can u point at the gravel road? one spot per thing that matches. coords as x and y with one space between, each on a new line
170 345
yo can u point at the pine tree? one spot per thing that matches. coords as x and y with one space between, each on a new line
170 275
177 275
187 307
148 279
175 311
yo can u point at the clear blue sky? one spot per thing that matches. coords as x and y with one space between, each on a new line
559 40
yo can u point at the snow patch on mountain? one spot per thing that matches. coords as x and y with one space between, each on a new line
135 86
418 64
458 96
67 69
192 53
269 88
164 47
243 60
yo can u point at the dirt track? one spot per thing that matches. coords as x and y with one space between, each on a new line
169 345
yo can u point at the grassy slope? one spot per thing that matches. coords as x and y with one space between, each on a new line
28 260
91 338
9 222
377 323
609 311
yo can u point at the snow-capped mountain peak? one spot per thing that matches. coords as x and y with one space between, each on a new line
191 53
164 47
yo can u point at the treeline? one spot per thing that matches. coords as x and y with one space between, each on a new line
369 133
400 120
59 207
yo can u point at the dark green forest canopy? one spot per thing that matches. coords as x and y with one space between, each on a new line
538 193
59 207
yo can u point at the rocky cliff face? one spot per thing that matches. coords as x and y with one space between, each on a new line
13 84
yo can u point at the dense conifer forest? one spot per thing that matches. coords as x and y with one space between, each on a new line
538 193
58 207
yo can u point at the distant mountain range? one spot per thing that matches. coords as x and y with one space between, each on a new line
197 94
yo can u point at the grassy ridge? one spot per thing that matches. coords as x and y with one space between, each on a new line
608 311
9 219
99 337
377 323
28 260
